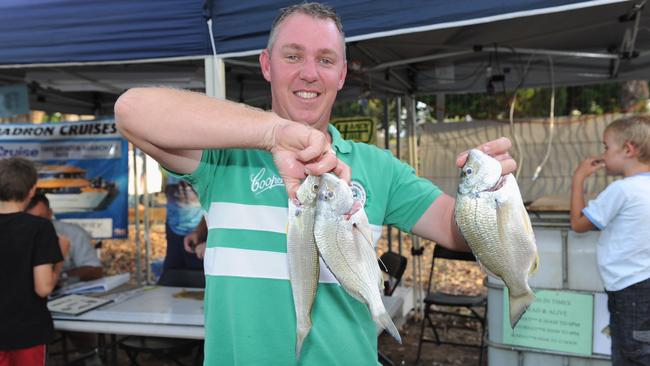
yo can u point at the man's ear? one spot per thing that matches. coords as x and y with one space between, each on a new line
265 64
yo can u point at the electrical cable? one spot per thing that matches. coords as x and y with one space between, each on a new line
551 129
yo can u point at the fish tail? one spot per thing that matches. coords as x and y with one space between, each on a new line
518 306
386 322
301 334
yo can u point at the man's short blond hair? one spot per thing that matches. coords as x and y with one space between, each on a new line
635 130
315 10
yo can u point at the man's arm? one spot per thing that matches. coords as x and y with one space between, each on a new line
86 273
196 237
175 126
579 222
438 222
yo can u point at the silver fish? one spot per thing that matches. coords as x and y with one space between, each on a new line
302 256
346 247
491 216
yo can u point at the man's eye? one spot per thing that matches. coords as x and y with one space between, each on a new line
292 57
326 61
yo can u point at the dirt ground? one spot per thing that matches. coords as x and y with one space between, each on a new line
118 256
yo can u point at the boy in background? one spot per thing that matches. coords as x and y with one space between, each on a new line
622 213
31 258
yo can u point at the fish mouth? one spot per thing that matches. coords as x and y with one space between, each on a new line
498 185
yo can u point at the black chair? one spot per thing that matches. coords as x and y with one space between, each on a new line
394 265
475 305
168 348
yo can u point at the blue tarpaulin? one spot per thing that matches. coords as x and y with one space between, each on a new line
63 31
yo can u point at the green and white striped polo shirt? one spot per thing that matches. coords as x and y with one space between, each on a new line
249 313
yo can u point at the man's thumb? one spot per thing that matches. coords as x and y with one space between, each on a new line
291 185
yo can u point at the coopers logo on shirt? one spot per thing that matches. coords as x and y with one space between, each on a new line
260 183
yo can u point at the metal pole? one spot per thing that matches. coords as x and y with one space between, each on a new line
136 218
389 228
398 142
416 249
147 228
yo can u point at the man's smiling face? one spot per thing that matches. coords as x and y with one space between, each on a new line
306 68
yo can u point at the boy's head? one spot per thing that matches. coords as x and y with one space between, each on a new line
17 179
634 130
39 205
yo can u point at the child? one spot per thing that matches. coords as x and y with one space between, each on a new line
622 212
30 262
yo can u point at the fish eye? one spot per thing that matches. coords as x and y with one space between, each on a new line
314 187
468 171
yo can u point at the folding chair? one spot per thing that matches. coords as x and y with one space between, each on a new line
452 302
169 348
394 265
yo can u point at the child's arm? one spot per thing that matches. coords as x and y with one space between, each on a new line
45 278
579 222
47 275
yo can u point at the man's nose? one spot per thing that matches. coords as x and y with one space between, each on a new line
309 71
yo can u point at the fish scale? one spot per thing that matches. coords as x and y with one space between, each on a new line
491 216
302 257
346 251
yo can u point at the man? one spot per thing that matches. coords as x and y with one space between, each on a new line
82 261
222 149
184 215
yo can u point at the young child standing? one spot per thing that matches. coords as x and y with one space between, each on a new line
622 213
30 262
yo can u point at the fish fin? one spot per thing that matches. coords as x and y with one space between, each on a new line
301 334
384 320
519 305
535 265
484 268
361 227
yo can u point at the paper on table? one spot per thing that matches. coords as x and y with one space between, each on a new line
100 285
75 304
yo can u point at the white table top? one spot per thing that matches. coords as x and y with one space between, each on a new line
154 311
150 311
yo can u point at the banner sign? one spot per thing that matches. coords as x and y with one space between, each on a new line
359 129
13 100
556 320
82 169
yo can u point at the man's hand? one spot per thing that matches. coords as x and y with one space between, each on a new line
299 150
589 166
199 250
498 149
190 241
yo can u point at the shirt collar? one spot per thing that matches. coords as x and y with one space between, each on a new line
338 142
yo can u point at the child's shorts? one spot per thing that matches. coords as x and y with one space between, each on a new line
32 356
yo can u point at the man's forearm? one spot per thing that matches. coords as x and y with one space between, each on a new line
86 273
174 126
179 119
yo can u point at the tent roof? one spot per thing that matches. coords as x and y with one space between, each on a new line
63 31
394 47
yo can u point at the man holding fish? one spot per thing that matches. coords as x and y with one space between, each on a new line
247 164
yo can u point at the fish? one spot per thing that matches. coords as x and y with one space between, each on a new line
302 256
490 214
346 246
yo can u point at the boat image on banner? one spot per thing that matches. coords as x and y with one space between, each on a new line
69 190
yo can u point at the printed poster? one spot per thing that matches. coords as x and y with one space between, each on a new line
82 169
